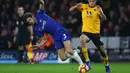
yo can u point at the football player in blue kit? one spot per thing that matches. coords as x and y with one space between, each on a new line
44 23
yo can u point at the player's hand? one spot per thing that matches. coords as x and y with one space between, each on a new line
102 15
41 1
79 5
99 9
35 46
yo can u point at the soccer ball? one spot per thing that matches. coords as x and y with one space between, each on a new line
83 69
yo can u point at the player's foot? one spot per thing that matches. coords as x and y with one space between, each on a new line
88 64
108 70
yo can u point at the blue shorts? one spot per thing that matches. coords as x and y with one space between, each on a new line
60 36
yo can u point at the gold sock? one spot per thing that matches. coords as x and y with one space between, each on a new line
85 53
106 60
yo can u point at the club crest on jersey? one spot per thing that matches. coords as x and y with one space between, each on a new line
94 9
89 12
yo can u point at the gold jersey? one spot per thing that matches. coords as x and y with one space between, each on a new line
90 19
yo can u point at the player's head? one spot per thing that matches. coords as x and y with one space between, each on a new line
29 18
92 3
20 11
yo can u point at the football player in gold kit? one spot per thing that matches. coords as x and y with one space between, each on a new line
91 16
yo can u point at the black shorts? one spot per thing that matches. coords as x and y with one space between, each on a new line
94 37
22 39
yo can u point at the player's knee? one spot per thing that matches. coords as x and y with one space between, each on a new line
63 58
70 52
100 45
84 38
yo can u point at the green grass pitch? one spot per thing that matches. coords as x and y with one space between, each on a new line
61 68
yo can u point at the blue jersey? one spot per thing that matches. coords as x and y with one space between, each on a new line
45 23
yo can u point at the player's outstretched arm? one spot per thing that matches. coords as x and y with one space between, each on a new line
43 41
41 2
75 7
102 15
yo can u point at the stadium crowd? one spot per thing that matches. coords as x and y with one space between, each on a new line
117 12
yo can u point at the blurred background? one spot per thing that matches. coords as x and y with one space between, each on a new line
115 31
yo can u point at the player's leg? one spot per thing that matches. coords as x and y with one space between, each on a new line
60 49
83 40
99 44
65 39
63 56
69 51
62 40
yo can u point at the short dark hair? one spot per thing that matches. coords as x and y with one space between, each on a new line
27 15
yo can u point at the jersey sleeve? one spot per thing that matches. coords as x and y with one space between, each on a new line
80 8
100 8
40 11
38 32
